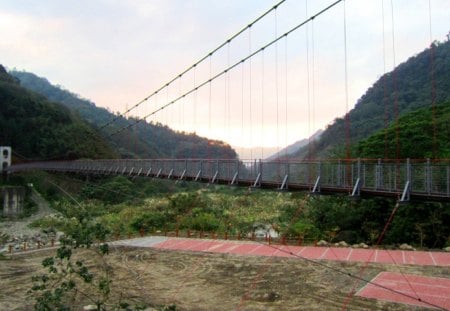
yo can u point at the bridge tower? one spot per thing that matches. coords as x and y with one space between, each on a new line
5 158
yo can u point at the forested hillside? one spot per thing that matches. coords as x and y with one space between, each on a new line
39 129
421 135
409 87
146 140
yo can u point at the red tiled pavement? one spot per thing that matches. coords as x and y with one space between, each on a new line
309 252
418 290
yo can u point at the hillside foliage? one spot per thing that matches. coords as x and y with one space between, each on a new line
424 133
421 81
39 129
143 205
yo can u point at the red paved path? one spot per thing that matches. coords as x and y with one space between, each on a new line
310 252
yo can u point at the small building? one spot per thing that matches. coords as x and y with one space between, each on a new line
12 200
5 158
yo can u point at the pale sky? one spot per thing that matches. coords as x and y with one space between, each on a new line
117 52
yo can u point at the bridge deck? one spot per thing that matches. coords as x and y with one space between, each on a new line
405 180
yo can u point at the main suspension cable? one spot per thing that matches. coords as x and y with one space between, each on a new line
230 67
195 64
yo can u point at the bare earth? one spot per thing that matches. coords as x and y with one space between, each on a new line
20 227
204 281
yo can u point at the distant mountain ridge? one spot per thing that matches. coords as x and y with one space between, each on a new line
410 86
295 147
145 140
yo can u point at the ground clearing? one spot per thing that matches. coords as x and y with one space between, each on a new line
217 281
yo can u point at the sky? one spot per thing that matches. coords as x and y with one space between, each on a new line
117 52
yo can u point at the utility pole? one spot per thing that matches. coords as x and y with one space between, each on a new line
448 36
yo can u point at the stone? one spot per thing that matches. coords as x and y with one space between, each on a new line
360 245
342 244
322 243
447 249
363 245
406 247
90 307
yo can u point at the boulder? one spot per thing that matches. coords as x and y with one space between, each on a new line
322 243
363 245
406 247
342 244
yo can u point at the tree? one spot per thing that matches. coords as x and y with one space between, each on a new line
68 280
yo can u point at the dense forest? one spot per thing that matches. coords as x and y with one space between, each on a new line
145 140
38 129
421 81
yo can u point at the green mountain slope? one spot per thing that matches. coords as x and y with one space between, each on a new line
420 136
409 87
39 129
146 140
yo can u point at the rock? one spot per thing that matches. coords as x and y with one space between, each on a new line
322 243
360 245
90 307
406 247
447 249
342 244
363 245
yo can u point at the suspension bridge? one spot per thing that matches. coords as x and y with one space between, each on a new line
402 179
238 88
246 88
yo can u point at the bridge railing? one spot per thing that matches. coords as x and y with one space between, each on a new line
423 178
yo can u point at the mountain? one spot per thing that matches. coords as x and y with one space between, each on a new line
145 140
410 86
39 129
295 147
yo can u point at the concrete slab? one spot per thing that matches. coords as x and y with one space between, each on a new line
441 259
389 256
144 242
263 250
311 252
362 255
409 289
243 249
338 254
284 251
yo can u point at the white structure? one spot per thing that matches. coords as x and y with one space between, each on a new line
5 158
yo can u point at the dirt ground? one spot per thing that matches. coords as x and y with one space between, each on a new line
203 281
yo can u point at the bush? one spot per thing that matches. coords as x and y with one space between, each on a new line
201 222
149 221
